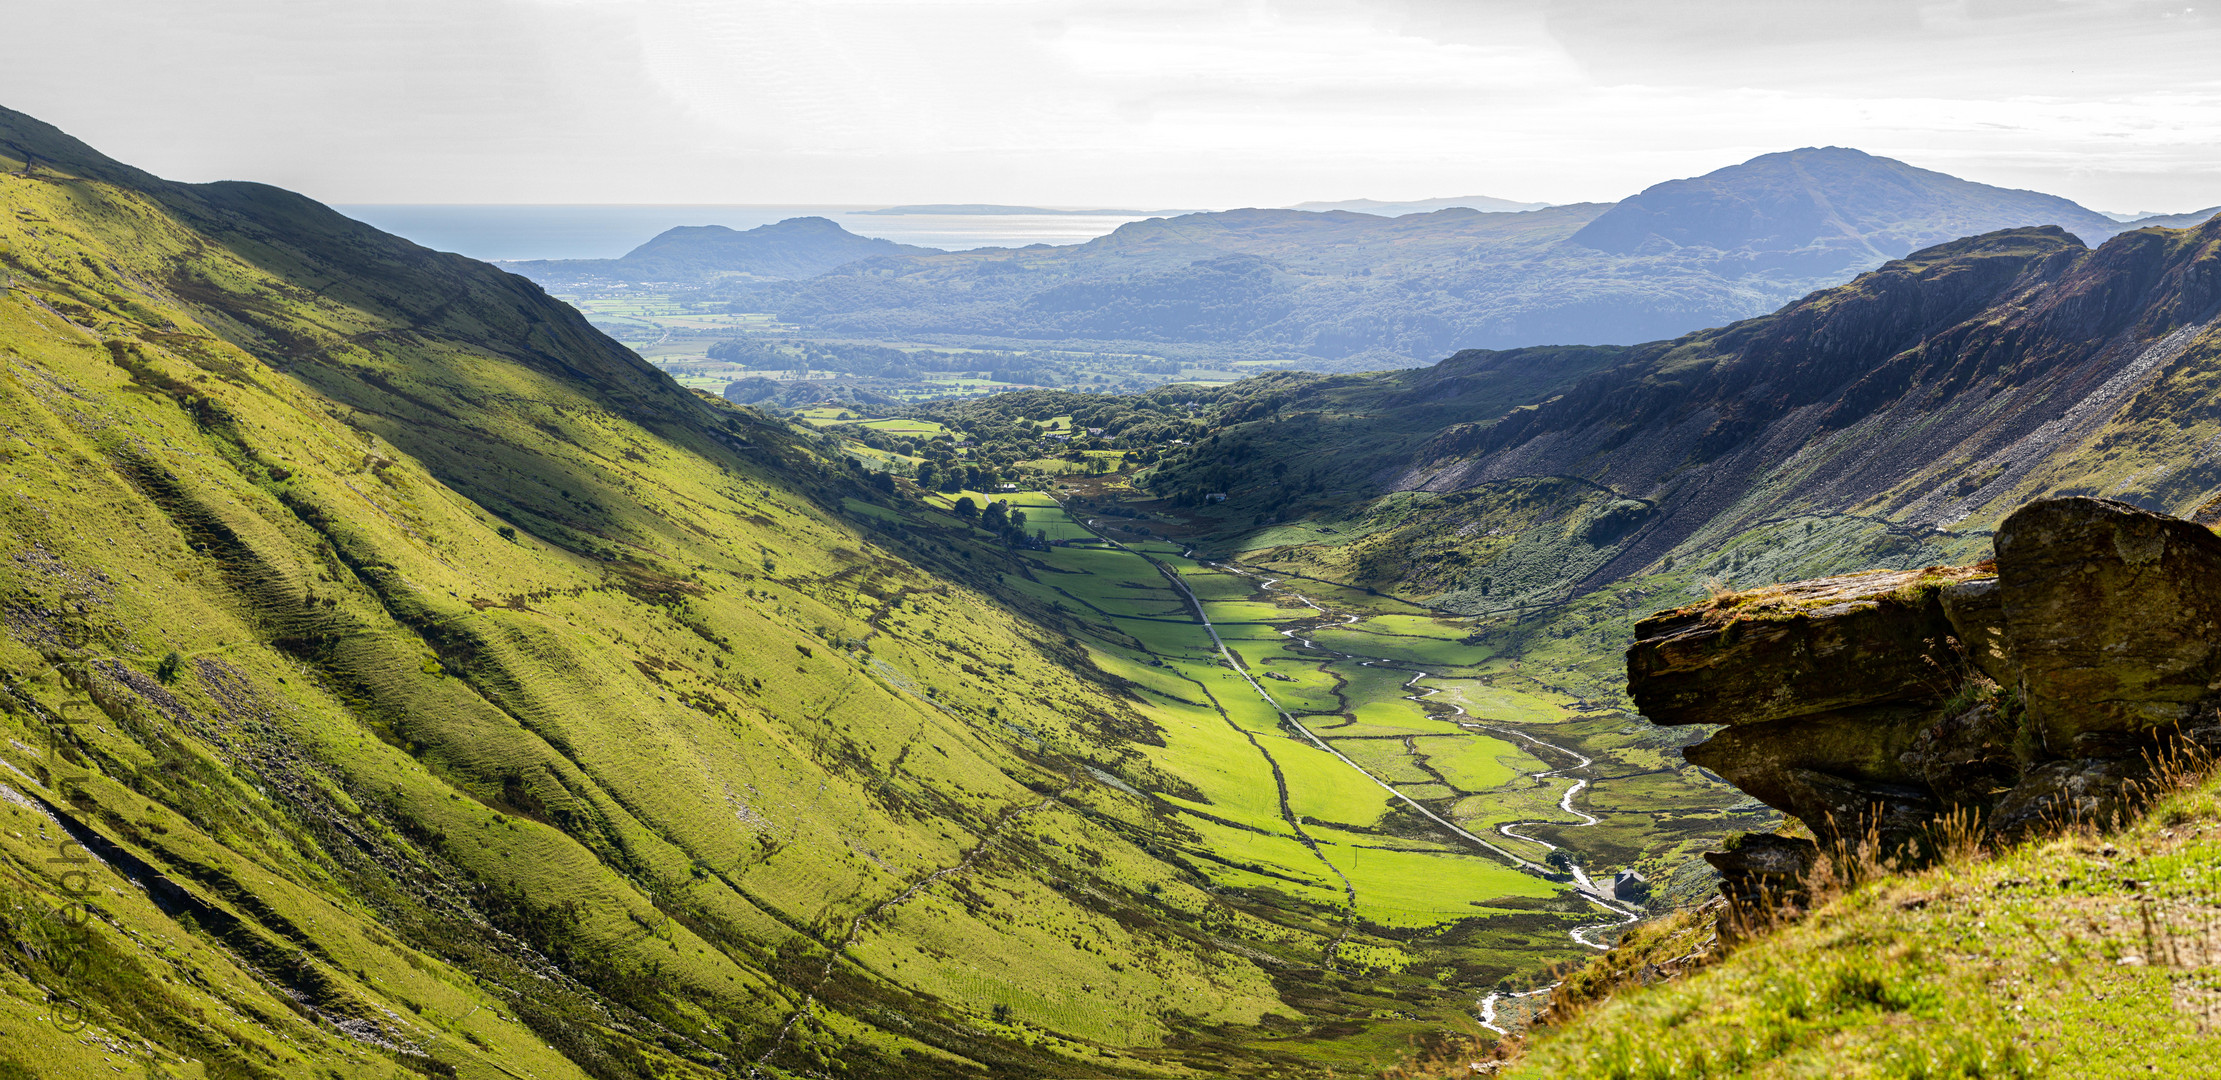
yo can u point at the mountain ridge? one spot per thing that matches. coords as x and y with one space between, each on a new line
1400 207
1336 289
1911 407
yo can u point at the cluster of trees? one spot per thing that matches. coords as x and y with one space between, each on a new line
904 365
958 475
1258 442
1002 519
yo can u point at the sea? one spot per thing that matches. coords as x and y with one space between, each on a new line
511 232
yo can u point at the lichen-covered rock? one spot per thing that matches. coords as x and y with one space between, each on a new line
1796 650
1967 757
1976 610
2112 614
2058 794
1761 873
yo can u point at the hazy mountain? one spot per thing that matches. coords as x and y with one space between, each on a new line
1343 290
998 210
690 254
1484 203
2175 221
1820 212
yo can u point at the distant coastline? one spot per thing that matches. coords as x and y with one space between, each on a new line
995 210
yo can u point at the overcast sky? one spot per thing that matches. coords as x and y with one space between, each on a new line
1123 103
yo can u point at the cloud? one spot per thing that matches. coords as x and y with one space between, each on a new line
2115 102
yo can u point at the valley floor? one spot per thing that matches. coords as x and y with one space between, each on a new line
1411 811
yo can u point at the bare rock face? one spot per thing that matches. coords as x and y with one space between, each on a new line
1976 611
2055 794
2031 693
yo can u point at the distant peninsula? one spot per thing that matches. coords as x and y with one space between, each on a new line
991 209
1484 203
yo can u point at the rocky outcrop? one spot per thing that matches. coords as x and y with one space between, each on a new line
2029 693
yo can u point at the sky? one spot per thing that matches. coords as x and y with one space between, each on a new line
1117 103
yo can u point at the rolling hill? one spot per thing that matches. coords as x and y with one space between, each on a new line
1391 208
692 254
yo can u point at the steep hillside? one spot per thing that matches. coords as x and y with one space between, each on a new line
1343 291
1939 392
401 677
1893 418
690 254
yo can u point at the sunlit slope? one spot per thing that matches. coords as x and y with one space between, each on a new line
528 715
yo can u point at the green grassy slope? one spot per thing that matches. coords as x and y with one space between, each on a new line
2088 955
401 677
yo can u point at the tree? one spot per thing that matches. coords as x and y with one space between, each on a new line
965 508
995 516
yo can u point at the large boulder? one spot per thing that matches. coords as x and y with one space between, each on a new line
2043 690
1976 609
2057 794
2113 616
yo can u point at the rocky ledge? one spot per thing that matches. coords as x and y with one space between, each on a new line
1888 708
